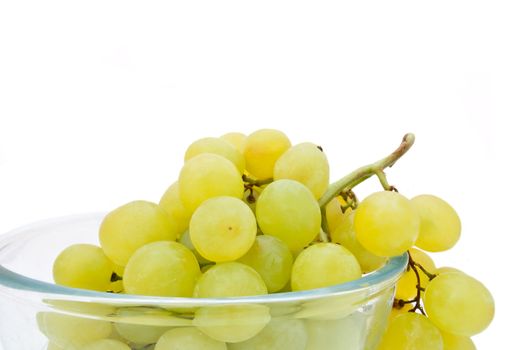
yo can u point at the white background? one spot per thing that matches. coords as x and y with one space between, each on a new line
99 99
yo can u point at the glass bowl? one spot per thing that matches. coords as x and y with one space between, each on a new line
36 314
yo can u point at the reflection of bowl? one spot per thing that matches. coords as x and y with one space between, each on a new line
34 311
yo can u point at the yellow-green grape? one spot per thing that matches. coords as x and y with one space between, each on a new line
344 334
187 242
71 331
217 146
411 331
237 139
232 324
83 266
106 344
407 285
446 269
230 279
171 202
271 258
162 269
396 311
334 214
459 304
440 225
117 285
223 229
205 176
324 265
131 226
345 235
288 210
386 223
262 150
140 334
307 164
457 342
188 338
279 334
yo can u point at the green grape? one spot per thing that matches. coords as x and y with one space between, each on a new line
145 328
261 151
288 210
343 334
234 323
279 334
72 331
334 214
205 176
324 265
237 139
411 331
230 279
345 235
446 269
223 229
457 342
188 338
307 164
399 311
106 344
129 227
217 146
162 268
440 225
407 285
386 223
83 266
271 258
459 304
187 242
171 202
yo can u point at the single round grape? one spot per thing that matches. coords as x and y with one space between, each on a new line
223 229
217 146
410 331
162 269
230 279
188 338
262 149
232 324
271 258
323 265
440 225
386 223
106 344
205 176
72 331
446 269
187 242
83 266
279 334
459 304
237 139
141 331
343 334
288 210
344 234
129 227
171 202
407 285
307 164
334 214
457 342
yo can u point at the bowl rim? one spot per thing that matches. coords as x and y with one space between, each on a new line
12 282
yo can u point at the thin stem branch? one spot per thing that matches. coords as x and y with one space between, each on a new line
256 182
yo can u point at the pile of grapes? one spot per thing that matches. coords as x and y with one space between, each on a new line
252 215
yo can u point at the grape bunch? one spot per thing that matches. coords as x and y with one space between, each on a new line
253 215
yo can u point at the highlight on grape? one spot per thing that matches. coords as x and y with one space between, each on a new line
253 215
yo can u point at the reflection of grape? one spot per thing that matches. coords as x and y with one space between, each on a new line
459 304
223 229
344 334
106 344
411 331
440 225
262 149
83 266
279 334
188 338
217 146
136 332
386 223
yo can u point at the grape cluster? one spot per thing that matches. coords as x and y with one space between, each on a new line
252 215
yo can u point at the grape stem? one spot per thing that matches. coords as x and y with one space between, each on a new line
255 182
359 175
